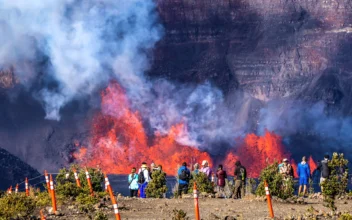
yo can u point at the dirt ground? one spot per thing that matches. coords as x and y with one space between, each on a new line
210 208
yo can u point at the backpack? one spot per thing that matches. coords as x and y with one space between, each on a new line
242 173
185 175
141 178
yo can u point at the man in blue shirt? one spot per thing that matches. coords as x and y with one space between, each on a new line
183 179
303 172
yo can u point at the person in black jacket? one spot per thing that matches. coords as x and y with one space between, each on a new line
324 169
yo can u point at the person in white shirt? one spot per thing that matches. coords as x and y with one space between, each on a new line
143 179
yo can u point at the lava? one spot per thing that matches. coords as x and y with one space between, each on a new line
256 152
119 142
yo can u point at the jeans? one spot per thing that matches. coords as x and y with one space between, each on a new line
134 192
239 189
142 189
182 187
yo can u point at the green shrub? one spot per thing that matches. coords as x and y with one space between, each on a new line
14 205
42 199
277 185
100 216
203 183
179 215
157 186
337 182
345 216
96 176
86 202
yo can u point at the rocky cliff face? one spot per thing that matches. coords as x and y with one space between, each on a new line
269 48
13 170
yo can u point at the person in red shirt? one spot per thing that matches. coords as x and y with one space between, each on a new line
221 176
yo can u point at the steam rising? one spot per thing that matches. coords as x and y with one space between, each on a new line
83 40
87 43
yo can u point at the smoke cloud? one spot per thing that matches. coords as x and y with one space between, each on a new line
87 43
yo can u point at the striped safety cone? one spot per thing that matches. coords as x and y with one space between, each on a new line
196 205
89 183
26 185
53 197
268 197
113 200
16 189
76 177
47 181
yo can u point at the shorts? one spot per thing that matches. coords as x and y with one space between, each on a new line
303 181
322 179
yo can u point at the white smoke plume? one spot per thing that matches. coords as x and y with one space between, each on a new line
86 42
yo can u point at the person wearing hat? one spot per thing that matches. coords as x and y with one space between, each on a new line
285 169
143 179
206 169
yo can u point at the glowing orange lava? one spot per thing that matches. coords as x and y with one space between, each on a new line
256 152
119 141
312 164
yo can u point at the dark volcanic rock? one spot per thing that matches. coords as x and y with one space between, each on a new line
13 170
269 48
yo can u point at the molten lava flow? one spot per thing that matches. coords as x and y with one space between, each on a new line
312 164
256 152
119 142
168 152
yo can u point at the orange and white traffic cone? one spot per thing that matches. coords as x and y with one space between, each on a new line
196 205
53 197
113 200
76 177
27 188
16 189
42 216
47 181
268 197
89 183
10 190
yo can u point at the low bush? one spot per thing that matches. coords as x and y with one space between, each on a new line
157 186
179 215
277 185
337 182
15 205
203 183
100 216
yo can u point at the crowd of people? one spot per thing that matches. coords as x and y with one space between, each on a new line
138 181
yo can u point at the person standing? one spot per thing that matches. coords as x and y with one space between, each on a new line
206 169
184 176
195 171
240 180
323 167
221 176
143 179
303 173
285 169
133 183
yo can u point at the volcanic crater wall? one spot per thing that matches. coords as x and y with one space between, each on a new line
267 49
